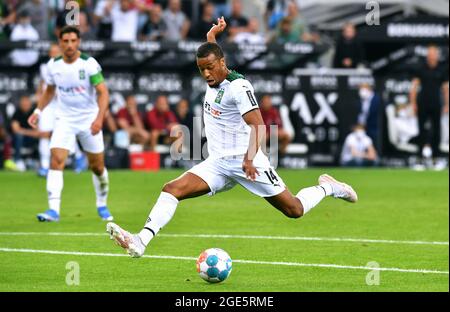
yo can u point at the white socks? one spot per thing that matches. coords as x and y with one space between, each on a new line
55 185
44 153
311 196
101 186
54 188
160 215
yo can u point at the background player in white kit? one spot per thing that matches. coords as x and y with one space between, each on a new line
234 130
82 102
47 121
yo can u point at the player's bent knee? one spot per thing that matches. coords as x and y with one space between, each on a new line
173 189
295 214
294 210
96 165
57 163
98 169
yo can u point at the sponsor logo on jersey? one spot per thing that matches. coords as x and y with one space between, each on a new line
212 111
72 90
82 74
219 96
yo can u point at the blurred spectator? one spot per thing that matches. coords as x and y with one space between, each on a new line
5 147
161 120
7 17
285 32
430 101
205 23
124 21
56 5
299 26
24 31
103 20
184 114
155 29
131 120
271 117
370 104
23 134
349 50
86 32
358 149
144 7
177 23
84 5
252 36
237 22
275 12
405 120
221 8
39 16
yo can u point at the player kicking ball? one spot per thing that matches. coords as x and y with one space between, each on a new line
77 80
234 130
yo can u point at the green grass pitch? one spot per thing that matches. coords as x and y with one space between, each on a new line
400 222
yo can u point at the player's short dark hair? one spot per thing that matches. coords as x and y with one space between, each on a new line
210 48
68 30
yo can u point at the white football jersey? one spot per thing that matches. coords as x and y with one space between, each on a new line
75 87
43 69
226 131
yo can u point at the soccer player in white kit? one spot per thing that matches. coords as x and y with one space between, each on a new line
234 130
47 121
82 102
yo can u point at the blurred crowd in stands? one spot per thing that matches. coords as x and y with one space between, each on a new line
166 20
131 20
175 20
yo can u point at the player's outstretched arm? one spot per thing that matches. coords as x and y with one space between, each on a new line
103 103
216 30
46 97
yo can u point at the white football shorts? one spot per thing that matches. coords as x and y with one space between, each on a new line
65 134
223 174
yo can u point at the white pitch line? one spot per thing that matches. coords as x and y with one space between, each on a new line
225 236
298 264
327 239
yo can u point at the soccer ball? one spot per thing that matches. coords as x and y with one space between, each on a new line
214 265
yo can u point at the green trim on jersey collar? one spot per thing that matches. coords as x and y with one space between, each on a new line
84 56
233 75
58 58
96 79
